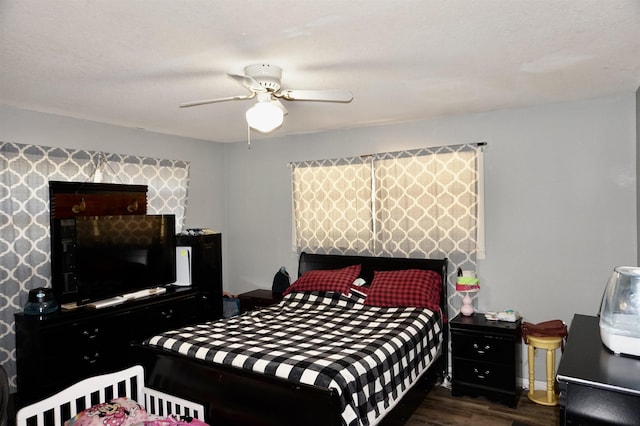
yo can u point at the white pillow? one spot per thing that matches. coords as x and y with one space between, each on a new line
359 282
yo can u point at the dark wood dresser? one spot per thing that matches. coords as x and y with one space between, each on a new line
596 386
485 358
56 350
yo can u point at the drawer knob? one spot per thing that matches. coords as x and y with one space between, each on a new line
481 375
92 359
481 350
91 334
168 313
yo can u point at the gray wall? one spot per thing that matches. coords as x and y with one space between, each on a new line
560 184
206 192
206 206
560 199
560 192
638 168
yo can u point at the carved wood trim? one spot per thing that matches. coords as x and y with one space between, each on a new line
70 199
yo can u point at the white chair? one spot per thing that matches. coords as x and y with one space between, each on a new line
126 383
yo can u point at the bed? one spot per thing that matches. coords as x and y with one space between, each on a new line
323 356
62 406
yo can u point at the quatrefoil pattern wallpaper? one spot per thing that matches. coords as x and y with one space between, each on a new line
25 172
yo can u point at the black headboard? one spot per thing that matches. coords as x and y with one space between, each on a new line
309 262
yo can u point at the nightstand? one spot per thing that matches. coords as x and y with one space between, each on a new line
485 358
257 299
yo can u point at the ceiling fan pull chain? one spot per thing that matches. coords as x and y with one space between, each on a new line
248 137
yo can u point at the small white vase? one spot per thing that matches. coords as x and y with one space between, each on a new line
467 305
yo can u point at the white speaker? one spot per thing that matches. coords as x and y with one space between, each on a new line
183 266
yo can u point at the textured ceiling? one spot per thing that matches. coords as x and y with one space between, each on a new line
132 62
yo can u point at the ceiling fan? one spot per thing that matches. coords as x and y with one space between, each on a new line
263 83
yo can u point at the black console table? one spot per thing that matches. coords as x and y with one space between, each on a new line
596 386
57 350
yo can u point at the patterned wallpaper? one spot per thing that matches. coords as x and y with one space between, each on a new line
25 172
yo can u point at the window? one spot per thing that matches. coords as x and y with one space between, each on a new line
332 203
418 203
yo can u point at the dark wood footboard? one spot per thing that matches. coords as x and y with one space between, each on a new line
235 397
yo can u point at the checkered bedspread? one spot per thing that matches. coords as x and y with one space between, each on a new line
370 355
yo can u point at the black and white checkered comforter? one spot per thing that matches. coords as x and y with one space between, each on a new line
370 355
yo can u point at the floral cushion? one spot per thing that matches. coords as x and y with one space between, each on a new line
117 412
127 412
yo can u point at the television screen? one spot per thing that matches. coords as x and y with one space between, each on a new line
116 255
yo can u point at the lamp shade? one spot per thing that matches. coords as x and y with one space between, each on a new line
467 284
264 116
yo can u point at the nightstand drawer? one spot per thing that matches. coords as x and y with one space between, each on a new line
484 374
483 347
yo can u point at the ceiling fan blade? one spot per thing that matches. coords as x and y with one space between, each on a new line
248 82
316 95
213 101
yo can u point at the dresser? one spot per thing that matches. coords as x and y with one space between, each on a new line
56 350
596 386
485 358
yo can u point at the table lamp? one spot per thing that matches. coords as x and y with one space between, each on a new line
467 283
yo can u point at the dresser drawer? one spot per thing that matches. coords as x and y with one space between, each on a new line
484 373
155 319
480 347
58 350
94 344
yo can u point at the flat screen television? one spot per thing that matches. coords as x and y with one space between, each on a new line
116 255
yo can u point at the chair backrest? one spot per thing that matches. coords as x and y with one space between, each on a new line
60 407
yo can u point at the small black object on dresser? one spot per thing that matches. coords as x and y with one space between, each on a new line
256 299
486 357
281 281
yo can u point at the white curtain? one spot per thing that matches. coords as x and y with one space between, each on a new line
332 206
25 172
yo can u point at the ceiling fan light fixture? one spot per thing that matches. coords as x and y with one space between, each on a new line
265 117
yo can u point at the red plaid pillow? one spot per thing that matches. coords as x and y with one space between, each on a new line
408 287
338 280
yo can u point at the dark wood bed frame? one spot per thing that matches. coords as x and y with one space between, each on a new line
232 396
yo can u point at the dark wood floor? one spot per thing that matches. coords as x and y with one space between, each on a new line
440 408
